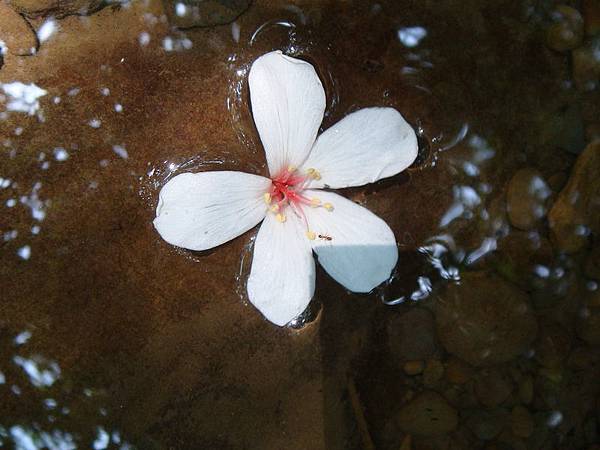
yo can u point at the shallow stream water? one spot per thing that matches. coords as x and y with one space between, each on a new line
487 335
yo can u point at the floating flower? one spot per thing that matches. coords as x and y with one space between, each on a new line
199 211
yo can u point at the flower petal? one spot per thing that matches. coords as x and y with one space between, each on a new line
282 277
202 210
363 147
354 246
288 102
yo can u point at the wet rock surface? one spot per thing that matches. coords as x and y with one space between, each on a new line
484 320
56 8
108 334
573 216
204 13
18 36
526 199
428 414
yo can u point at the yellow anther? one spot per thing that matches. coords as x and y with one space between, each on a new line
313 173
314 202
311 235
274 208
267 197
291 169
280 217
328 206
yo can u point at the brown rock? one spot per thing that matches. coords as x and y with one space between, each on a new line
552 345
16 33
434 371
487 424
575 211
588 326
484 320
566 33
412 335
204 13
492 387
586 65
413 367
592 263
520 254
526 390
591 16
521 422
458 372
427 414
58 8
526 198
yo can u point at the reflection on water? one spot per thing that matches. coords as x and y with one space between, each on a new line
486 335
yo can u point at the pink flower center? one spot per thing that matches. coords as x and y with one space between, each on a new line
287 189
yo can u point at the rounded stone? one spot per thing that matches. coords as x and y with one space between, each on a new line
58 8
552 345
458 372
521 256
16 33
526 198
428 414
566 31
588 325
526 390
521 422
484 320
412 368
487 424
592 262
492 387
411 336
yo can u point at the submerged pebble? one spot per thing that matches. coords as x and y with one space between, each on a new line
575 213
586 65
486 424
484 320
492 387
552 345
526 198
427 414
592 262
566 31
521 422
411 336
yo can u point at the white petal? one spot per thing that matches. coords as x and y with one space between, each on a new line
363 147
354 246
282 277
202 210
288 102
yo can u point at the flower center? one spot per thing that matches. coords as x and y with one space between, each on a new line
287 189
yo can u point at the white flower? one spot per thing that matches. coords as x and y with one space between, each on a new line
358 249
